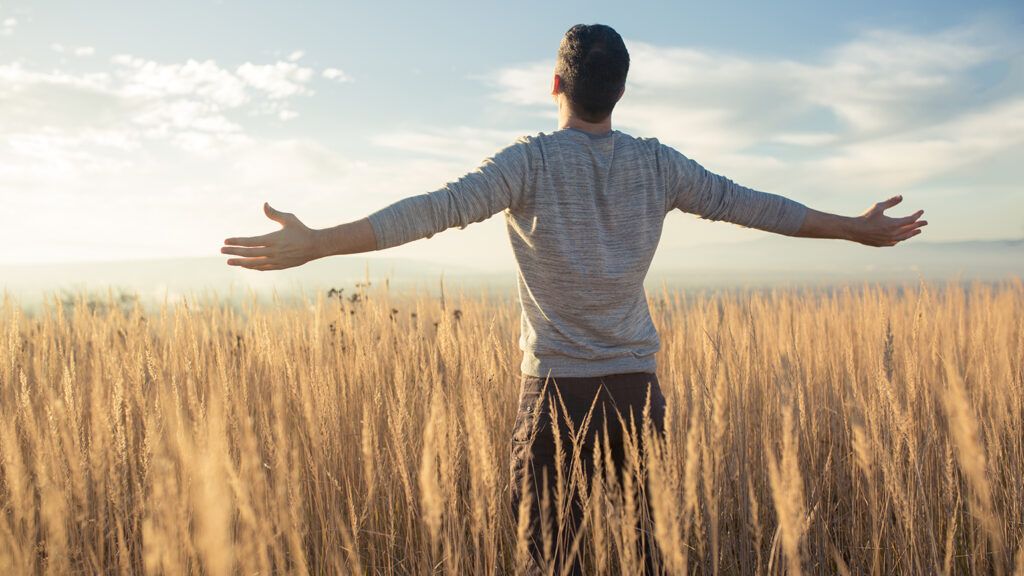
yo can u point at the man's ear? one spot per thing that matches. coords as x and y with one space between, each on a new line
621 92
556 85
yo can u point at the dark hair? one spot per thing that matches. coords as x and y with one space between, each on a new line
592 63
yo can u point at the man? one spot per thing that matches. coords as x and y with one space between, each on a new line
584 207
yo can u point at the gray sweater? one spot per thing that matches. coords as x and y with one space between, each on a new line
584 215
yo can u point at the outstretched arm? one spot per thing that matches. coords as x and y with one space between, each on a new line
696 190
495 185
295 243
872 228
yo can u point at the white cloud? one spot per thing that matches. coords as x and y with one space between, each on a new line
55 123
8 25
888 108
296 56
907 158
54 154
80 51
462 143
148 79
886 79
168 203
168 153
133 149
336 74
196 106
804 138
179 115
16 79
524 85
278 80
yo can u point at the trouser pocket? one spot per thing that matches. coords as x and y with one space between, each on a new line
525 429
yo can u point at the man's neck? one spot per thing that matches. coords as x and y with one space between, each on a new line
567 120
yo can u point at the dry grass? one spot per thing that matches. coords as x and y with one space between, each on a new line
862 430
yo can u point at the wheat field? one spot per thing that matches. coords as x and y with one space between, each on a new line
861 429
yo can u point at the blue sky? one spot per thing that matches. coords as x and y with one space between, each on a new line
136 130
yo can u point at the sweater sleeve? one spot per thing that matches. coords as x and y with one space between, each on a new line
495 185
696 190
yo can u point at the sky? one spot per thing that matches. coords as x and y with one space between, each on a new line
137 130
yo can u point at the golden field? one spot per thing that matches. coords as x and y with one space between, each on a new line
863 429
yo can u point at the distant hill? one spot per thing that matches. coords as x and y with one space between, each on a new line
174 277
779 258
771 261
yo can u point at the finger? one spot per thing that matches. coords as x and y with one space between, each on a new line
247 262
276 215
886 204
265 267
909 219
263 240
237 251
905 235
912 226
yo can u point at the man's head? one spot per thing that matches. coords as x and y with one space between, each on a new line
591 70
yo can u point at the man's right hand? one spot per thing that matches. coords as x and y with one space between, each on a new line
874 228
293 245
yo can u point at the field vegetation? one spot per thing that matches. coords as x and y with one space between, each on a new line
862 429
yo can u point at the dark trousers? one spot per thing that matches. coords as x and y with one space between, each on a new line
564 401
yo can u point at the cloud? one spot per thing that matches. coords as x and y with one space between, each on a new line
80 51
278 80
523 85
887 79
804 138
296 56
129 148
147 79
196 105
8 25
148 159
890 108
463 144
84 197
52 154
184 115
132 150
918 155
337 75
